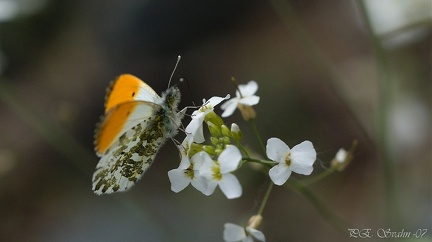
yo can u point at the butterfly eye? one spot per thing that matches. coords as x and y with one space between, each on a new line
133 94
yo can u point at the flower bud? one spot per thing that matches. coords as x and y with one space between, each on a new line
225 131
339 162
248 113
343 158
209 149
218 151
214 140
255 221
226 140
214 118
236 132
215 130
195 148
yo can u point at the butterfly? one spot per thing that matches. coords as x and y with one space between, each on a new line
136 123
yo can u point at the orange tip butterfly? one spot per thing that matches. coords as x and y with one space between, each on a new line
136 123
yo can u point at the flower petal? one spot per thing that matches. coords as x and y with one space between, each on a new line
229 159
248 239
301 168
303 153
184 149
229 107
276 149
256 233
213 101
211 187
233 232
200 183
203 163
195 128
184 163
279 174
249 89
178 179
250 101
230 186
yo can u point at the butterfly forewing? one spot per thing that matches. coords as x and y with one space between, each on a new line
128 88
120 119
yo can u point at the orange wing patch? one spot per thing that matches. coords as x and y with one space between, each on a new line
128 88
120 119
112 125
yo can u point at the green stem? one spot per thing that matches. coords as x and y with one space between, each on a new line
239 145
384 93
264 162
258 135
265 199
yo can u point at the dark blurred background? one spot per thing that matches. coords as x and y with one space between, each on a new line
320 79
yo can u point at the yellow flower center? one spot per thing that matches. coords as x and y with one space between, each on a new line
190 172
216 172
288 159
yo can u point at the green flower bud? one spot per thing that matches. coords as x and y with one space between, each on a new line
209 149
236 132
226 140
214 140
215 130
343 158
218 151
225 131
195 148
214 118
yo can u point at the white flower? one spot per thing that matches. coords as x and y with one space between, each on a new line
234 232
188 173
299 159
195 126
219 172
244 97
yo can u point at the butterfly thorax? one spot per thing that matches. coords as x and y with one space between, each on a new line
169 111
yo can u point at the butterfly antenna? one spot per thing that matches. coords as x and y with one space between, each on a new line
190 90
175 67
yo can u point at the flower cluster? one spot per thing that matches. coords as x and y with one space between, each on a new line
208 166
209 163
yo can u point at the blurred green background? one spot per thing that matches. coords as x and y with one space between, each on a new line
323 76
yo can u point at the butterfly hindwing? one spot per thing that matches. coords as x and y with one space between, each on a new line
130 156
